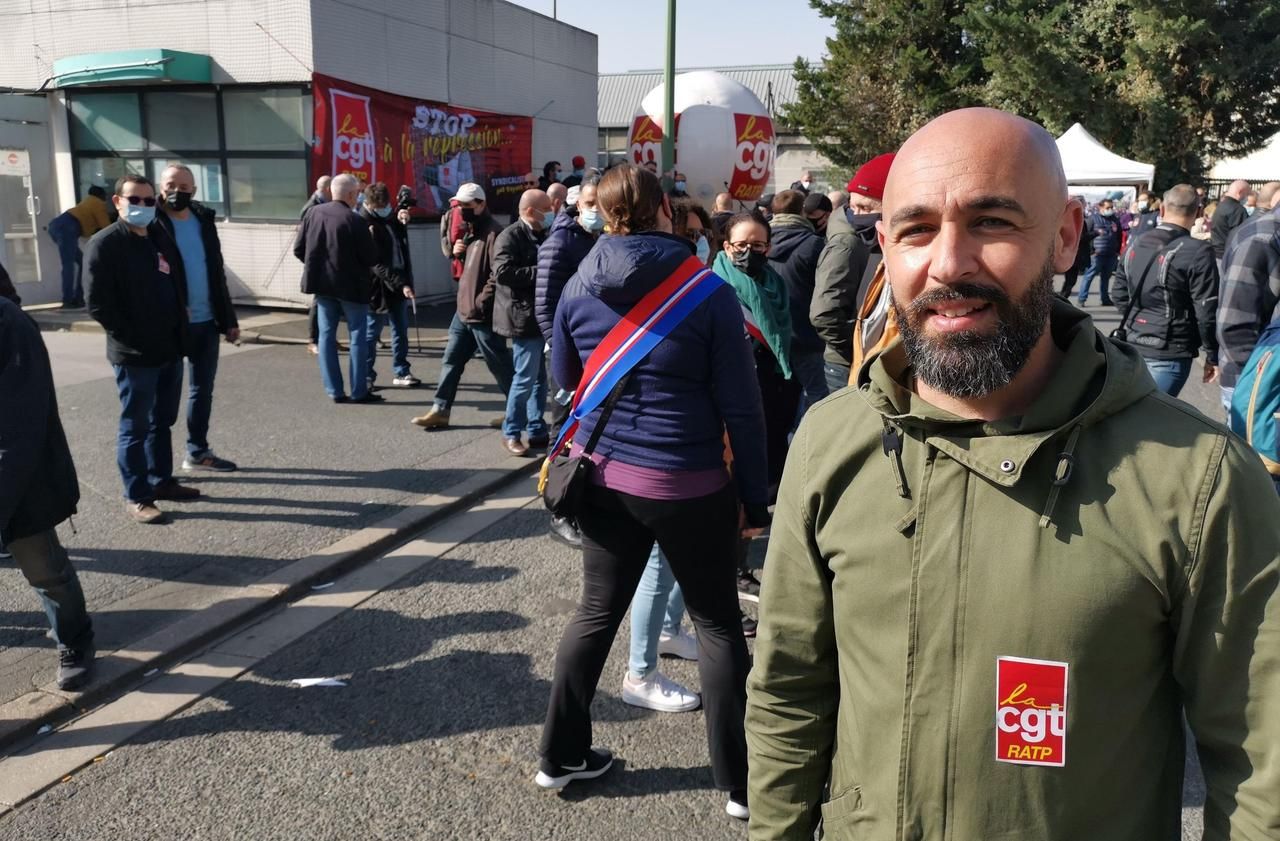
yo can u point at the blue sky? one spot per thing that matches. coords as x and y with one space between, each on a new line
709 33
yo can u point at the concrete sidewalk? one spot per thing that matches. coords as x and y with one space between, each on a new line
321 487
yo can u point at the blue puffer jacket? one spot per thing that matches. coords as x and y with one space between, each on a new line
558 258
1106 231
694 385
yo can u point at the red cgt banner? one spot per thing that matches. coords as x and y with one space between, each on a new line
432 147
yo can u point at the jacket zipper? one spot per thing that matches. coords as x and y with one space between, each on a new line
1253 396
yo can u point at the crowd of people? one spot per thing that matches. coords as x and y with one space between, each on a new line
968 491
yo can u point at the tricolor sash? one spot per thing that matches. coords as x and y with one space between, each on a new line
753 329
637 333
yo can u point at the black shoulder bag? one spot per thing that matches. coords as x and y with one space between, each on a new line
1121 333
566 478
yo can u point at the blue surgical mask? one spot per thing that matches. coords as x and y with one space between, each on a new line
382 212
1249 210
1107 213
140 215
680 185
359 199
590 218
703 249
548 217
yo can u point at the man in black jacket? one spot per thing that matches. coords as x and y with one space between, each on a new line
515 273
392 283
794 255
1166 289
210 314
137 293
39 489
1229 216
337 257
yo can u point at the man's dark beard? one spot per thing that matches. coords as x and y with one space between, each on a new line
976 363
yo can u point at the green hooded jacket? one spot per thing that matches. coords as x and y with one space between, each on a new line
1113 535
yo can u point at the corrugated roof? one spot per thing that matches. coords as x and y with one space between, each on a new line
620 93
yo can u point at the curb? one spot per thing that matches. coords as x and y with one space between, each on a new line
22 717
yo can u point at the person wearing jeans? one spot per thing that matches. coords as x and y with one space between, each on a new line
84 220
1103 229
209 310
39 489
515 278
149 399
393 283
656 614
338 255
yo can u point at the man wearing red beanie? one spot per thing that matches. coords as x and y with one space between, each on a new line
846 266
579 169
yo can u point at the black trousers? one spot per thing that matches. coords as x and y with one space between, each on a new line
699 538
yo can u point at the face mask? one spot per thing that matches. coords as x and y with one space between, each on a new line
382 212
139 215
557 175
1142 205
468 214
1249 210
177 201
548 217
748 262
590 218
1107 213
359 199
703 249
578 172
680 185
805 184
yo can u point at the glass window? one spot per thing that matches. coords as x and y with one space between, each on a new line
104 172
267 188
104 122
178 120
267 119
208 178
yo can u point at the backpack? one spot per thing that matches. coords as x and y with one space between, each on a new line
1255 405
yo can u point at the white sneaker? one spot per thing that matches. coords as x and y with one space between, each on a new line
407 381
658 692
737 806
681 644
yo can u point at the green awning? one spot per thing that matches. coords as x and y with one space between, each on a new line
132 66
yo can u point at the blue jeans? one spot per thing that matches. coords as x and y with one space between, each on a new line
807 367
837 376
1170 374
397 316
1101 264
202 356
657 607
65 232
328 311
149 399
45 565
464 338
527 399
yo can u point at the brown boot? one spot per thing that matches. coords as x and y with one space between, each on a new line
172 490
145 513
515 447
435 419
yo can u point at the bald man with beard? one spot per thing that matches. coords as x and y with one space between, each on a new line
1004 568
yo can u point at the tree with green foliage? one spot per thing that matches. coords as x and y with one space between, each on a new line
1180 83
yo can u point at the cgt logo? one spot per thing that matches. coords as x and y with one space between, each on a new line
1031 712
646 140
353 146
755 150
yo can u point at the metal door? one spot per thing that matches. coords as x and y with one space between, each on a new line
19 214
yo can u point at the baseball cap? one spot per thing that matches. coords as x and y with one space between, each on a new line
870 177
579 162
572 198
470 193
815 202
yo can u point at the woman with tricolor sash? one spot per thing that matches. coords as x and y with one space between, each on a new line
658 471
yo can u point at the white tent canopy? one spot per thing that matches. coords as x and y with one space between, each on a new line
1259 165
1087 161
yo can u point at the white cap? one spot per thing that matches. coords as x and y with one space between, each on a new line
572 198
470 192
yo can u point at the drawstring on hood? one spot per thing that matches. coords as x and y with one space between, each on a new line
891 442
1061 475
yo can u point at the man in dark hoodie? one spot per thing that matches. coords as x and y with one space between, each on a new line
794 255
846 266
38 487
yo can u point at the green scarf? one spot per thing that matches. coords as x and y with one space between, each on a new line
767 301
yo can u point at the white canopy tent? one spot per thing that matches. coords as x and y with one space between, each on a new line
1087 161
1259 165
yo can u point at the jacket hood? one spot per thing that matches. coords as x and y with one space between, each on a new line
1097 378
788 232
623 269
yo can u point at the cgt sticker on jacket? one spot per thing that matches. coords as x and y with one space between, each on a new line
1031 711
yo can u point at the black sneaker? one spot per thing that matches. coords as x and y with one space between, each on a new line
369 398
748 587
598 761
566 531
749 627
74 666
208 461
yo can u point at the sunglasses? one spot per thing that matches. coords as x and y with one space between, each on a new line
149 201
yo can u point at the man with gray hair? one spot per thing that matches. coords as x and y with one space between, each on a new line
1166 289
839 199
338 255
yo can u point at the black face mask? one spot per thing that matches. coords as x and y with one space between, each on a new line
748 262
177 200
469 214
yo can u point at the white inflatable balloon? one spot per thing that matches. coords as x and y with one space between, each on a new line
724 136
